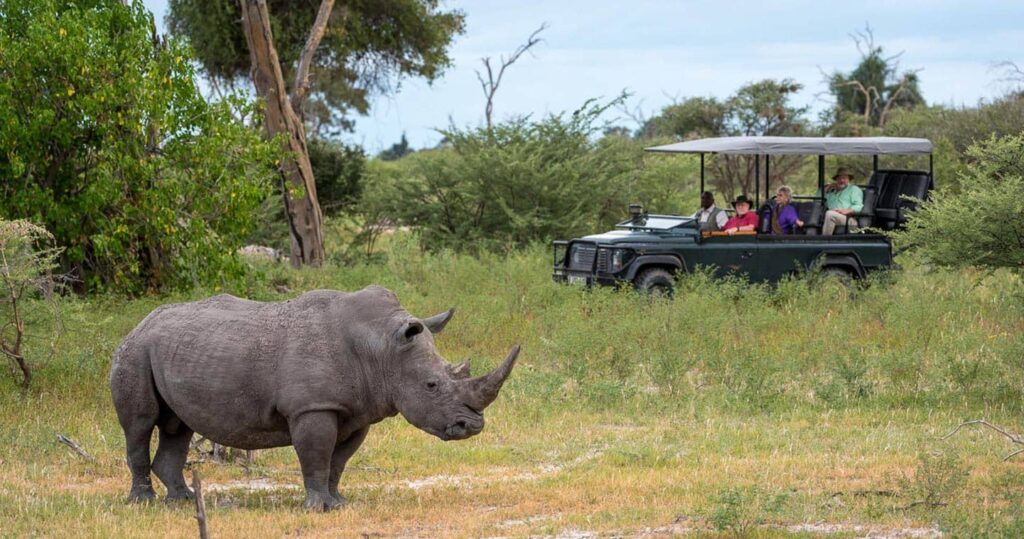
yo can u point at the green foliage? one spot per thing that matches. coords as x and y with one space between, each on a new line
338 169
520 182
366 48
107 142
757 108
981 225
739 510
397 150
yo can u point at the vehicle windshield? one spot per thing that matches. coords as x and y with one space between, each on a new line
655 222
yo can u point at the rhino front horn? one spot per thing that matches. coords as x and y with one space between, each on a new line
482 390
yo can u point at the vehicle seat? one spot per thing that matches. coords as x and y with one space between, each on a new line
811 213
866 216
893 186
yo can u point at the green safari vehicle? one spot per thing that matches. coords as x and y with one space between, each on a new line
648 250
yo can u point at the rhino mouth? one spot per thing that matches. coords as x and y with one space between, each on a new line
463 428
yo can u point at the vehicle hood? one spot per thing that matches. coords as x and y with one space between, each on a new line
620 237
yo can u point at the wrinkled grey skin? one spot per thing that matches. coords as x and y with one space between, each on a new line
313 372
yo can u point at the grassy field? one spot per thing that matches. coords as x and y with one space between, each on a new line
733 410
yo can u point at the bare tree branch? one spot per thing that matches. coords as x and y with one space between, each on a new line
1015 438
490 86
74 447
316 33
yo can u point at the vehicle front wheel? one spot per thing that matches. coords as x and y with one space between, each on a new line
655 282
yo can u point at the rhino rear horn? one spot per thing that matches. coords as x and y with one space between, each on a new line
437 322
460 371
482 390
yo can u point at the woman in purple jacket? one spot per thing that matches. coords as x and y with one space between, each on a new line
784 219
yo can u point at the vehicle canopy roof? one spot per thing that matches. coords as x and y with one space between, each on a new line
800 146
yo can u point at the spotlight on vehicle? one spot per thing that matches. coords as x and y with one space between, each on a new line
636 210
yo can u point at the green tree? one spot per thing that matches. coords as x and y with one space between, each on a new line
107 143
367 47
979 226
867 96
397 150
365 43
761 108
339 170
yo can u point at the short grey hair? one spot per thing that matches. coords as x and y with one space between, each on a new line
785 190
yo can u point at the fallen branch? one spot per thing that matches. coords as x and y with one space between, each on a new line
197 489
75 447
1015 438
912 505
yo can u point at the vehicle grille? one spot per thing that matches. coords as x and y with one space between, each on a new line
582 257
602 260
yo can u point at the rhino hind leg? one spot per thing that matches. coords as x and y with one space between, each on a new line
171 454
135 399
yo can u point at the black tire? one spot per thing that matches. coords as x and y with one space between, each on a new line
656 282
841 276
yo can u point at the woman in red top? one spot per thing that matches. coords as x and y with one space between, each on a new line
744 220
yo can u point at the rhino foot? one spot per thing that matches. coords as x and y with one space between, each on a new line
141 494
183 495
318 501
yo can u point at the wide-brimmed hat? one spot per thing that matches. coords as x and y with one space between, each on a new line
742 198
843 171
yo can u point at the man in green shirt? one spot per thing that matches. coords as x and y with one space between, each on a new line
842 199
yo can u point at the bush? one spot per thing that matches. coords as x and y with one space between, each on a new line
107 142
981 225
522 181
27 258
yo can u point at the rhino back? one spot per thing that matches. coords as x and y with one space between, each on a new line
234 370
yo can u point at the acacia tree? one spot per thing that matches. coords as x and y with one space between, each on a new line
314 68
875 87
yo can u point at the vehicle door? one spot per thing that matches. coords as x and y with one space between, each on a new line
729 255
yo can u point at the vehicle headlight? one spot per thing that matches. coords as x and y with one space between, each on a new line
620 258
574 257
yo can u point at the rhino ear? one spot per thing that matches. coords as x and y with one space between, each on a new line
411 329
437 322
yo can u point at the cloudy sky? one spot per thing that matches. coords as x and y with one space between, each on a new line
665 50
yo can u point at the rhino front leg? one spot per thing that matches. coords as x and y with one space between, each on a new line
342 452
314 435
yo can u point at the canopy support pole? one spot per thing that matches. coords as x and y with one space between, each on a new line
767 177
931 167
874 163
821 175
702 173
757 181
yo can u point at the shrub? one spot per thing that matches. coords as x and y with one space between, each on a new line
107 142
27 259
521 181
981 225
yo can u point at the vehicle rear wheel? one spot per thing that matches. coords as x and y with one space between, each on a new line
656 282
836 277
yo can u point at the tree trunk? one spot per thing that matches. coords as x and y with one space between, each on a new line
305 220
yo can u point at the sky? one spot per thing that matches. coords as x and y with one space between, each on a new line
667 50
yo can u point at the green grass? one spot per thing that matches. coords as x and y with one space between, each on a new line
733 409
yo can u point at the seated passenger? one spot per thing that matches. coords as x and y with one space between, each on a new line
710 218
842 200
744 220
784 219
